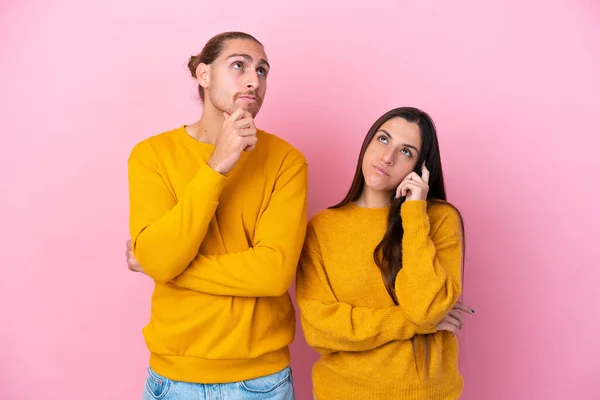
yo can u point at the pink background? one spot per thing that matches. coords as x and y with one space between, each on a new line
513 86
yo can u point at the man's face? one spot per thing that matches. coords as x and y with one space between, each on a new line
238 77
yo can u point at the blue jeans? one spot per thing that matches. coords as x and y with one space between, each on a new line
278 386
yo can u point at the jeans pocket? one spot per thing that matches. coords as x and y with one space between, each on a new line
157 386
269 383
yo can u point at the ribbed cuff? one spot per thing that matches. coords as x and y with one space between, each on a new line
209 181
414 216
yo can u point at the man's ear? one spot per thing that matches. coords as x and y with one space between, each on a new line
203 75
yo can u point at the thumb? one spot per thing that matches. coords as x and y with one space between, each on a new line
226 116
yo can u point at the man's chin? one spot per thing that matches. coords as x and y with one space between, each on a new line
253 110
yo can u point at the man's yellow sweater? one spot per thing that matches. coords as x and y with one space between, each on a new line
222 250
350 319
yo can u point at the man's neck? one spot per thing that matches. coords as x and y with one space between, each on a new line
208 127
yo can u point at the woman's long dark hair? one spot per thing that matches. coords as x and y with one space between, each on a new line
388 253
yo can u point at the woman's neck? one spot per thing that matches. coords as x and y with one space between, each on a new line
370 198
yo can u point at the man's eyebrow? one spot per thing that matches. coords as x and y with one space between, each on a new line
249 58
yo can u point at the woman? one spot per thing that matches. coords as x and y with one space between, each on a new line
380 274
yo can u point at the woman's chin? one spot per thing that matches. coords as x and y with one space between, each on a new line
379 188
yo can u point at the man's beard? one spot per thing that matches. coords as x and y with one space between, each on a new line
220 105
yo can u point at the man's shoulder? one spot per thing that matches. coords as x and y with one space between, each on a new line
148 146
277 146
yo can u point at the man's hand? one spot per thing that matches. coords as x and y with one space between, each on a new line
238 134
132 263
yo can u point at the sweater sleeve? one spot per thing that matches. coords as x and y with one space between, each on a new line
167 233
429 283
268 267
331 325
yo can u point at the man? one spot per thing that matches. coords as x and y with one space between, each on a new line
218 218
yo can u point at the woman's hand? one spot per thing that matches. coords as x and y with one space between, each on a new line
414 187
453 321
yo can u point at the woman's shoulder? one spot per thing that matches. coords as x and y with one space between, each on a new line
328 218
443 213
440 208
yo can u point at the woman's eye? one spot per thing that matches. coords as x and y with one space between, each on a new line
406 152
383 139
237 65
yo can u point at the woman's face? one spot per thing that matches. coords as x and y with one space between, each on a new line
391 155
